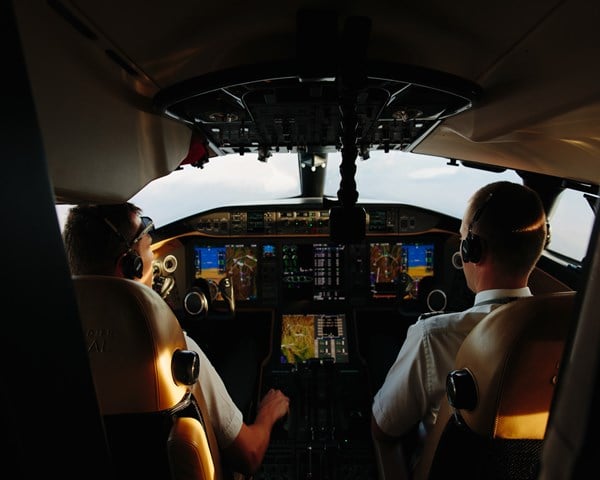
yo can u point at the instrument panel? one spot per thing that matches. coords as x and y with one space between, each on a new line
290 270
281 257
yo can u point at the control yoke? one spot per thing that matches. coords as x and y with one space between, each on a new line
202 299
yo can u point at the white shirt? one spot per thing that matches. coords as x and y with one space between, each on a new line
416 382
225 416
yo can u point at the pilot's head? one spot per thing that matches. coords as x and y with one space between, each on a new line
504 231
109 239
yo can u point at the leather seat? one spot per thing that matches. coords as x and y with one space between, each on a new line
499 396
154 413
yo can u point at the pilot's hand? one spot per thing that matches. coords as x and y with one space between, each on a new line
273 406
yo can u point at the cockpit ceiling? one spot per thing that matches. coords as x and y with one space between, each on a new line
513 84
181 39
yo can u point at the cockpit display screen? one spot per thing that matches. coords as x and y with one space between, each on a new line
313 272
390 261
313 336
237 261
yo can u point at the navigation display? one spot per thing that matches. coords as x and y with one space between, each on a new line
307 336
390 261
237 261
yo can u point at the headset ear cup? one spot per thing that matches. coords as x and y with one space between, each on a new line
470 248
132 265
464 250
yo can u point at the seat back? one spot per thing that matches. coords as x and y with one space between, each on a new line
145 378
493 421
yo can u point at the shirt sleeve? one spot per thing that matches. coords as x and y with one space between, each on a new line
225 416
401 402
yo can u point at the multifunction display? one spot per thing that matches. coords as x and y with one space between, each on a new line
314 336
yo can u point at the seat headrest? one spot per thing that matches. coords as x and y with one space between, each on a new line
512 358
132 338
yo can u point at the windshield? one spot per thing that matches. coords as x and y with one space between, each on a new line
421 180
426 181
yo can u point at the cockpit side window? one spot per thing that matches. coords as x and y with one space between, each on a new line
571 222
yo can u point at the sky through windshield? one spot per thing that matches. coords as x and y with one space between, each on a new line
421 180
408 178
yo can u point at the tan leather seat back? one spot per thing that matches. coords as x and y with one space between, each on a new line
514 356
509 365
144 378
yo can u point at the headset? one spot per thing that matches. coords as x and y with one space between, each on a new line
471 247
132 264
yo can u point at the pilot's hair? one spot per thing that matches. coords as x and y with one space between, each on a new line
92 246
511 222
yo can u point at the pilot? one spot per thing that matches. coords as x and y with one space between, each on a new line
116 240
503 233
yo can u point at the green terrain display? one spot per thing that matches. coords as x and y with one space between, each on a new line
298 338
